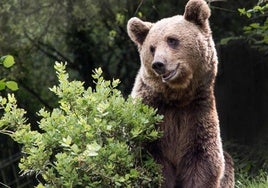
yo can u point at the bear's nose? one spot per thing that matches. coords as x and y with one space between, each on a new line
159 67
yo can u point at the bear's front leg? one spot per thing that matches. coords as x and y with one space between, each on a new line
201 170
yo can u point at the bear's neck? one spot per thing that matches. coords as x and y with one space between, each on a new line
169 97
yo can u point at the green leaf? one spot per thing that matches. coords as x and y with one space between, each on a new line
67 141
154 134
265 39
247 28
97 73
248 14
255 25
2 85
92 149
3 101
242 11
8 61
75 148
134 173
257 8
40 185
12 85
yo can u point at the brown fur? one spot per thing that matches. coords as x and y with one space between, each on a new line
177 74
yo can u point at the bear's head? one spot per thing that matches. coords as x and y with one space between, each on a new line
176 52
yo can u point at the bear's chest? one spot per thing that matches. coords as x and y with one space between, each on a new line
178 132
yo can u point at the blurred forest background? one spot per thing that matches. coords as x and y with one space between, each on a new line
89 34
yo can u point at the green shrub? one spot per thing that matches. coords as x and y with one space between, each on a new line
95 138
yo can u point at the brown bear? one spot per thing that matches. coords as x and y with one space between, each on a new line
177 75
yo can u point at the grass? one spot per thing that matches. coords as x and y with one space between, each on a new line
251 164
244 180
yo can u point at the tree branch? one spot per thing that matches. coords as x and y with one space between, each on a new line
36 95
51 52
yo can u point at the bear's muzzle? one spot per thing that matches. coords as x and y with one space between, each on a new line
159 67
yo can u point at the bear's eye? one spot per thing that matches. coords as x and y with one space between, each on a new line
172 42
152 49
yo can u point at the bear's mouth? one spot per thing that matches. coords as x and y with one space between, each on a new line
169 75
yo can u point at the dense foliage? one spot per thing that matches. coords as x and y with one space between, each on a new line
95 138
256 31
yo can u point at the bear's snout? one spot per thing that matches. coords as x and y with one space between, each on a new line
159 67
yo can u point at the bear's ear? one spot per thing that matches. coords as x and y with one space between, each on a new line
138 30
198 12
